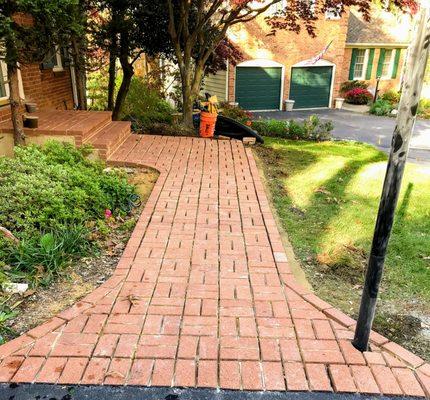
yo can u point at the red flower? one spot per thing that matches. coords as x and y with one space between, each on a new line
108 213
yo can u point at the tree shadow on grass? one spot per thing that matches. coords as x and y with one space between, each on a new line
313 221
308 228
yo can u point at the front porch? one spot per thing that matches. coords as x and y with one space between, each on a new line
77 127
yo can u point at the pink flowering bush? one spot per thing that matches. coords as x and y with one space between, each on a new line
358 96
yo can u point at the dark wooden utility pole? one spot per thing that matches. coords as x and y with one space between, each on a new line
413 80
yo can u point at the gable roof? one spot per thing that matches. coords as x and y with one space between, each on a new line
384 27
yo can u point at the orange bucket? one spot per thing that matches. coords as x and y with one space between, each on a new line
207 124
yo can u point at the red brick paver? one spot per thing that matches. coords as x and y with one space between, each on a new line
203 296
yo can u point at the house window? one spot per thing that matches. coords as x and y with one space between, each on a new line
4 87
360 64
53 60
387 64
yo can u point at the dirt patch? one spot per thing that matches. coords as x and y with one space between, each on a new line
84 276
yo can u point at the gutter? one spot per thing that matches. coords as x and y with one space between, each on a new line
402 45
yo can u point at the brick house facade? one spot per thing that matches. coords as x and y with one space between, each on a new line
381 44
49 88
283 64
48 84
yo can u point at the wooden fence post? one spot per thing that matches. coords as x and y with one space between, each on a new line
412 83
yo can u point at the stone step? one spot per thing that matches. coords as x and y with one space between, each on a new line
107 139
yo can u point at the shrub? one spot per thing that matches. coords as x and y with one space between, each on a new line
47 188
424 108
358 96
48 198
350 85
97 89
392 96
316 130
310 129
271 127
235 112
381 107
144 106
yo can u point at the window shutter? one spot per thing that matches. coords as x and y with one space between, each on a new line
380 62
352 65
370 64
396 64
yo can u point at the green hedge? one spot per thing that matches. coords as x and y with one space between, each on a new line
309 129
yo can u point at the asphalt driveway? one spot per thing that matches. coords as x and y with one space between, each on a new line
365 128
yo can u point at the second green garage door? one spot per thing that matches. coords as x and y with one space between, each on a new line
258 88
310 86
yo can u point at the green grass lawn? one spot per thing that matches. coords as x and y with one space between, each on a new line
326 196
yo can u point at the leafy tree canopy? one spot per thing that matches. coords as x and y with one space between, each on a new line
30 28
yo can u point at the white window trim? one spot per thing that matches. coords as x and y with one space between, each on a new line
391 66
3 71
362 77
58 61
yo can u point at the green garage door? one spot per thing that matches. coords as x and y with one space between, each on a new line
258 88
310 86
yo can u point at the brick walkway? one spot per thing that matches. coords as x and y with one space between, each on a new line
203 296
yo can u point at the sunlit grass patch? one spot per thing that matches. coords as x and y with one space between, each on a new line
327 196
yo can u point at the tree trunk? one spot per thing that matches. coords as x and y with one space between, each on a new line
128 71
189 95
187 107
112 76
191 78
15 105
418 55
79 63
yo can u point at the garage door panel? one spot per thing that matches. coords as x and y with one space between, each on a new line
258 88
310 86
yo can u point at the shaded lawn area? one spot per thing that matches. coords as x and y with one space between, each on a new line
326 196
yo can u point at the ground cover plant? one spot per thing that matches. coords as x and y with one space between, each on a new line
58 205
326 196
381 107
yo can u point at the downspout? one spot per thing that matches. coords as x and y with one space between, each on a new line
74 88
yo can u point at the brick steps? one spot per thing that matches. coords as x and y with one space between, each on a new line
96 121
109 138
